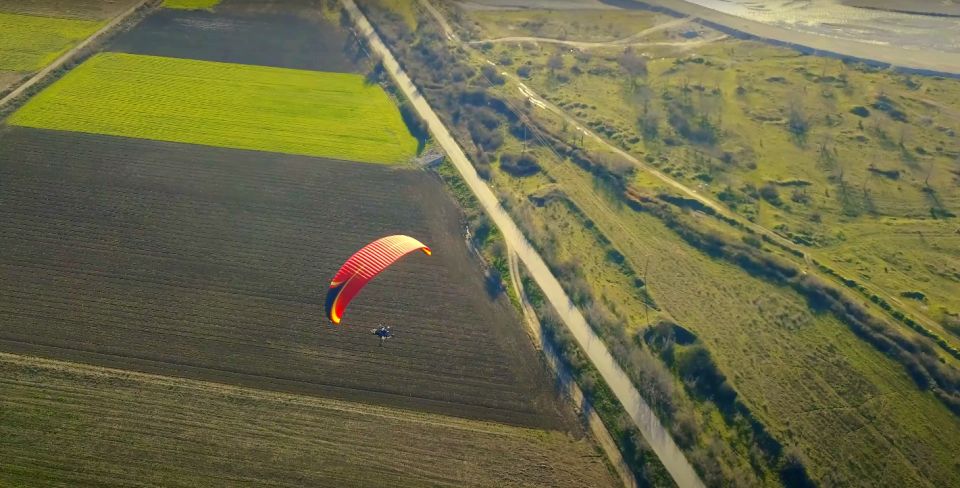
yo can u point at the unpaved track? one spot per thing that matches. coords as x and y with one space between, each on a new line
646 421
632 40
67 56
594 45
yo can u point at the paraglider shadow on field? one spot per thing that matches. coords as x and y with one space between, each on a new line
564 381
493 283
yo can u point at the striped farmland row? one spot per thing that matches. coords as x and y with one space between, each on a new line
49 438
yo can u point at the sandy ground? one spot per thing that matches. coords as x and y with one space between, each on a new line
8 78
924 7
533 4
893 54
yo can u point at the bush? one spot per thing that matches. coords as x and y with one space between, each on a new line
770 193
697 368
485 138
415 124
915 295
524 71
519 165
490 74
685 430
793 472
860 111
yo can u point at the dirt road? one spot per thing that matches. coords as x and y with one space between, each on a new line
594 45
632 40
646 421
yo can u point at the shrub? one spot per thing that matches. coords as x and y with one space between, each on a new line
860 111
519 165
770 193
490 74
793 472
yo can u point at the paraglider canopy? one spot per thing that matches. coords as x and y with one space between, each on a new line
363 266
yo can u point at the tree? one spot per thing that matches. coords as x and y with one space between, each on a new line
634 65
797 120
554 63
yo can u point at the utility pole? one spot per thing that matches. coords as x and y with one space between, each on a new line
646 289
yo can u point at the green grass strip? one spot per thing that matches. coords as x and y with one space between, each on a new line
190 4
29 42
334 115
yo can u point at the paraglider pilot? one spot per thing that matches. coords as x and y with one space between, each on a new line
383 332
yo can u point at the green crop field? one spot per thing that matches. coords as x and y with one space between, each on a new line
190 4
333 115
28 43
64 424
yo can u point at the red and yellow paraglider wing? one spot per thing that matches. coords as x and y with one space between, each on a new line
363 266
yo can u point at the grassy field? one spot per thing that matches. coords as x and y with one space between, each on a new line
333 115
212 263
68 424
190 4
28 42
734 117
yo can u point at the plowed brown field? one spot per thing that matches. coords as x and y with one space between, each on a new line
213 263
